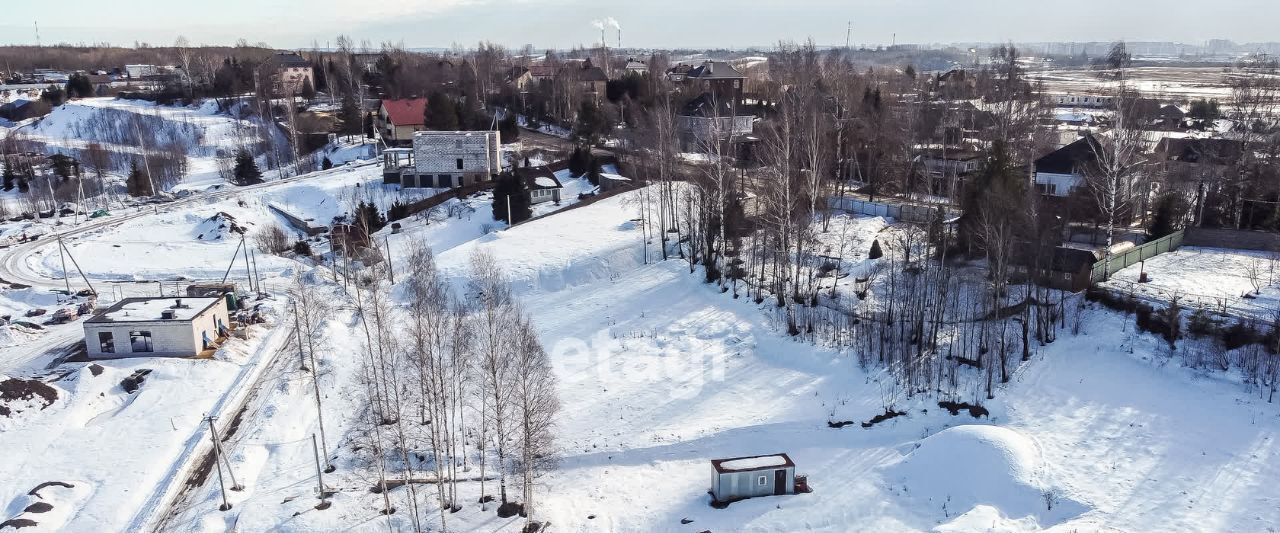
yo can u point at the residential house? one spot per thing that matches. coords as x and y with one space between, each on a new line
740 478
287 74
523 78
707 120
1170 116
718 78
947 168
138 72
1060 172
678 73
540 184
398 120
1083 100
445 159
636 66
158 327
1197 168
591 80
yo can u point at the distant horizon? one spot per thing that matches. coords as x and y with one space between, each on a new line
658 24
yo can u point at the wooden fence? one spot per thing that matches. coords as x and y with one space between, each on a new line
1133 256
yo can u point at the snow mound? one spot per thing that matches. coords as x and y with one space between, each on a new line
218 227
22 398
961 470
46 507
14 334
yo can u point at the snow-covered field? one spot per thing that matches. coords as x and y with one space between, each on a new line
658 374
119 450
1213 279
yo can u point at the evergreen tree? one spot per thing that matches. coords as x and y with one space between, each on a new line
591 123
10 176
137 184
876 252
368 125
79 86
1169 210
308 91
246 170
593 171
352 119
369 218
53 95
441 113
326 164
62 165
508 129
510 186
579 161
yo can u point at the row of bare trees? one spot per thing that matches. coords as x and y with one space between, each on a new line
457 389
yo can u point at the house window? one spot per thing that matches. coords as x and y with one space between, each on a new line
140 341
459 163
762 480
106 342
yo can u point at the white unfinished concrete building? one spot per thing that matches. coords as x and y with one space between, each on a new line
444 159
157 327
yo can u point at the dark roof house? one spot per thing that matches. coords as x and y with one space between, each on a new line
1070 158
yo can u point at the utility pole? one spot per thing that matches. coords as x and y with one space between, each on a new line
257 276
222 486
66 276
221 455
391 271
319 475
315 383
63 247
297 332
247 272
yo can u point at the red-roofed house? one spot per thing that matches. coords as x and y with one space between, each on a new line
398 119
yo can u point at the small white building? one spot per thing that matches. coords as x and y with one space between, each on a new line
157 327
747 477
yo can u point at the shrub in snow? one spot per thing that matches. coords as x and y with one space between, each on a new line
875 252
302 248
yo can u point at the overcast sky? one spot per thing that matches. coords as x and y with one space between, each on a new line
645 23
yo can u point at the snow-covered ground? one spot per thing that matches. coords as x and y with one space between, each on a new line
119 450
658 374
1213 279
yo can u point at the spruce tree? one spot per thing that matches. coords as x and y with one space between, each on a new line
246 170
441 114
10 176
137 183
876 252
510 186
